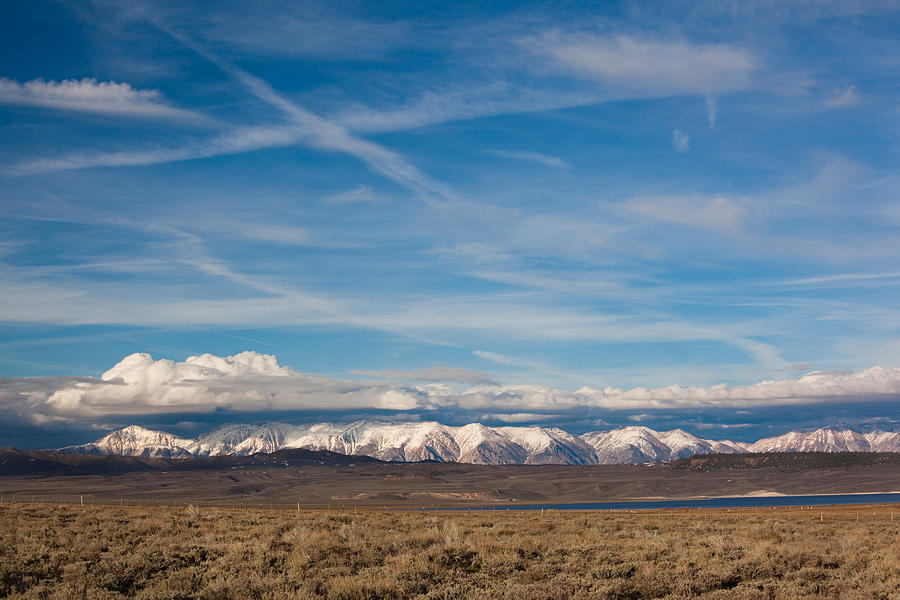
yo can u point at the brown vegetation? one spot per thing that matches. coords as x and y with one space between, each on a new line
92 552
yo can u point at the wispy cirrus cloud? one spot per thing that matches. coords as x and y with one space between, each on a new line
681 141
233 141
305 29
535 157
277 234
260 301
304 127
648 65
458 101
103 97
505 359
843 98
326 134
716 214
435 374
361 194
843 278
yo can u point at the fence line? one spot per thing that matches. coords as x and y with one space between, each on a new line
857 513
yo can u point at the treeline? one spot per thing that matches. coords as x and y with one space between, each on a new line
784 461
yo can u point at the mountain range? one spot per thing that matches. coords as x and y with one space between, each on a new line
478 444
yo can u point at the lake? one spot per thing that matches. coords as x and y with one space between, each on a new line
735 502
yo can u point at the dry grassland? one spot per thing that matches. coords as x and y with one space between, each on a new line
93 552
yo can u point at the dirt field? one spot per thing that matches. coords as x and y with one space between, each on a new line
422 484
93 552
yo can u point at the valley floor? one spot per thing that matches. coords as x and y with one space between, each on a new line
417 485
92 552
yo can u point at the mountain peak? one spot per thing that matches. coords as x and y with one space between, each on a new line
477 443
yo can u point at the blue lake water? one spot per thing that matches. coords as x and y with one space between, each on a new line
738 502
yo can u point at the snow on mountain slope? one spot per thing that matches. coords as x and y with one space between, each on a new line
683 444
385 441
884 441
550 445
136 441
222 440
642 444
267 438
627 445
831 439
483 445
476 443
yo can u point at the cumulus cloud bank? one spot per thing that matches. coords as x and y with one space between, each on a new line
244 382
90 95
252 382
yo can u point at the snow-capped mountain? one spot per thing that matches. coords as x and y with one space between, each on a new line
835 438
412 441
137 441
642 444
415 441
476 443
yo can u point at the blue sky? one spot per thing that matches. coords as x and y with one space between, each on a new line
553 195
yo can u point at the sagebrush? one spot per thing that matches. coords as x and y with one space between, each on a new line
210 553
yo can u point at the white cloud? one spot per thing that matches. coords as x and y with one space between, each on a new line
277 234
234 141
842 278
90 95
681 141
139 385
252 382
435 374
704 426
715 214
536 157
330 135
470 101
519 417
843 98
650 66
304 127
301 29
712 110
359 194
813 387
505 359
508 316
477 252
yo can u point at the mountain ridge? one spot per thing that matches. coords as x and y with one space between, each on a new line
479 444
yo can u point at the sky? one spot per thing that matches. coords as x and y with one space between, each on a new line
573 214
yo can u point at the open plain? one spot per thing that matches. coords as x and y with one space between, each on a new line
107 552
302 524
